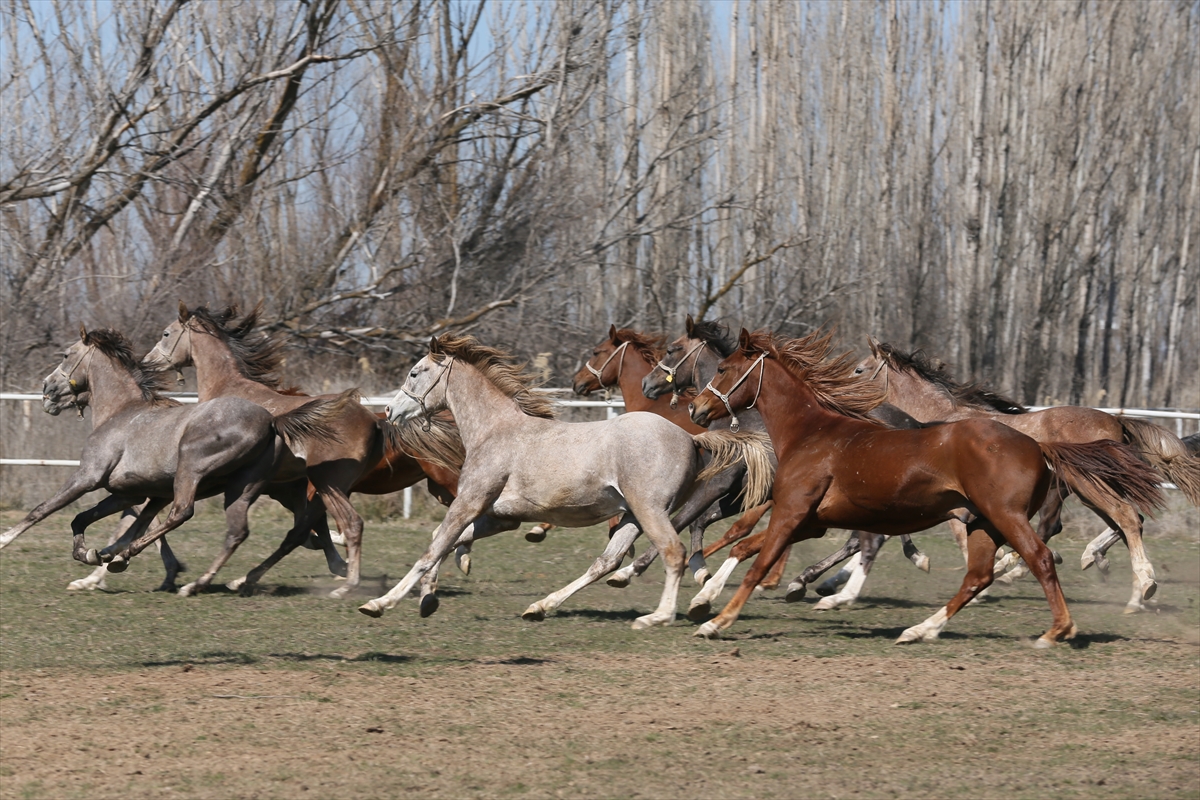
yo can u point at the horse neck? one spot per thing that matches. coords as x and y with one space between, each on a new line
217 373
630 382
919 398
790 411
112 390
479 408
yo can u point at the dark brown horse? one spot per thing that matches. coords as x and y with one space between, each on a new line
837 469
622 361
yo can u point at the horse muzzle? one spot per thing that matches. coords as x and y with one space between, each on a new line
653 387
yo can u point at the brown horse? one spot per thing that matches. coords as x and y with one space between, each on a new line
622 361
925 389
837 469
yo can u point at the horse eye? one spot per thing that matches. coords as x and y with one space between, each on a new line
858 370
720 370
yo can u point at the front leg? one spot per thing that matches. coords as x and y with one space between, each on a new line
106 507
79 484
464 510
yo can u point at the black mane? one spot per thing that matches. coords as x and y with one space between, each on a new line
256 354
716 335
150 381
935 372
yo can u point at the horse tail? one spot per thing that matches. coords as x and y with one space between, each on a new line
1175 460
728 448
314 420
1111 468
441 445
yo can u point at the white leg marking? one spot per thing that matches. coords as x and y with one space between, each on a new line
847 595
712 589
927 631
93 581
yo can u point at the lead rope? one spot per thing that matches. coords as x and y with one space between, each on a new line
734 425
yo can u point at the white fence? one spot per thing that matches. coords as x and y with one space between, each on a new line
612 407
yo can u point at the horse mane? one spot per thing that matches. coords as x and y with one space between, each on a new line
935 372
151 381
442 444
716 335
499 367
830 377
257 356
649 346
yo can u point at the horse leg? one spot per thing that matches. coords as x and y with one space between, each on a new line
308 515
913 553
1096 550
481 528
798 587
776 574
171 565
609 560
79 484
1127 522
871 542
95 580
240 494
830 585
337 502
701 604
782 531
661 532
981 540
465 509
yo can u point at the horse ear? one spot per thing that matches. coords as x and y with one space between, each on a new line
689 325
435 347
612 332
744 340
873 343
82 333
184 314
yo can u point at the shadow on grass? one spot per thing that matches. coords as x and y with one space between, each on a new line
595 614
208 659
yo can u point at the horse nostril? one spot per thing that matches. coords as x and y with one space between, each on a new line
387 411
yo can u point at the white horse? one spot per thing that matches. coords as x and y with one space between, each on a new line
522 466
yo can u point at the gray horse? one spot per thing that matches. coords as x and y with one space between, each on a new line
146 448
521 466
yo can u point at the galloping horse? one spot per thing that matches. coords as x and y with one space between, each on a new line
837 469
638 466
623 360
232 361
688 363
146 448
924 389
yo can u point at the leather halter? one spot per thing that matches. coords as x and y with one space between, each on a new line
183 328
599 373
445 373
724 398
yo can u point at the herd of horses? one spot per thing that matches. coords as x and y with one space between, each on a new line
717 426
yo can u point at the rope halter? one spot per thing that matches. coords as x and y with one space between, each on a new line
724 398
72 384
445 373
599 373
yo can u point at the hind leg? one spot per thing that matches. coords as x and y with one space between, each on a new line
240 494
871 542
981 541
661 532
798 587
609 560
351 526
95 580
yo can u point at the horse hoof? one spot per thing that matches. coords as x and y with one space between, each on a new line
1149 591
1057 556
92 557
84 583
337 538
340 592
236 583
922 563
796 592
463 563
167 587
1086 560
189 590
371 609
1102 564
339 570
247 589
429 604
708 631
1042 643
699 612
1134 607
534 613
830 603
535 534
618 580
118 564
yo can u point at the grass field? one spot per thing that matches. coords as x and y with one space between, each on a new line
125 693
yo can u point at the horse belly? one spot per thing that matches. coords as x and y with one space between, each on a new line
567 506
906 507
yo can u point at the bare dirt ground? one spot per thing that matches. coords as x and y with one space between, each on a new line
124 693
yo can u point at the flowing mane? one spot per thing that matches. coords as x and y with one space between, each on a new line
257 355
716 335
936 373
499 367
150 381
647 345
830 377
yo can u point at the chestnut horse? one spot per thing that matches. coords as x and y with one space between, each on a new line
838 469
924 388
686 365
622 361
